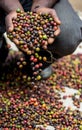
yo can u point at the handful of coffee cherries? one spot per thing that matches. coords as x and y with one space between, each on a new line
32 34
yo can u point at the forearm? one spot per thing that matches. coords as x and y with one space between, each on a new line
43 3
10 5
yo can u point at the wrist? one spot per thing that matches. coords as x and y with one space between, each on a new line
10 5
41 3
36 7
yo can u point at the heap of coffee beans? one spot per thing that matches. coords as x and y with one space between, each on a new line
23 106
32 34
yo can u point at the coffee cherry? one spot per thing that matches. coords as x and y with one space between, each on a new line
29 78
37 49
37 66
20 66
38 77
32 58
18 10
16 41
44 37
28 52
35 60
44 58
40 64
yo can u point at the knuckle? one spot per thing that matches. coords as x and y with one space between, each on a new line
53 13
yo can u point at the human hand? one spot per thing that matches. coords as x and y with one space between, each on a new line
45 10
8 20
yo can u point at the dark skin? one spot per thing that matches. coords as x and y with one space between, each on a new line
38 6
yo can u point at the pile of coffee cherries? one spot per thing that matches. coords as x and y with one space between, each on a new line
32 34
23 106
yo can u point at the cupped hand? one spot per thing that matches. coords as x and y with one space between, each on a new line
45 10
8 20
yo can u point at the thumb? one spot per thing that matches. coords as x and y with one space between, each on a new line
8 22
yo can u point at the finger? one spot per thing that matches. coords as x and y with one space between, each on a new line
57 32
51 40
54 15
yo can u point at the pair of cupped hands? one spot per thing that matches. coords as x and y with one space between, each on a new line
13 15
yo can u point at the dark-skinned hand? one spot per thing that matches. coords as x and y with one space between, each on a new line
53 13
